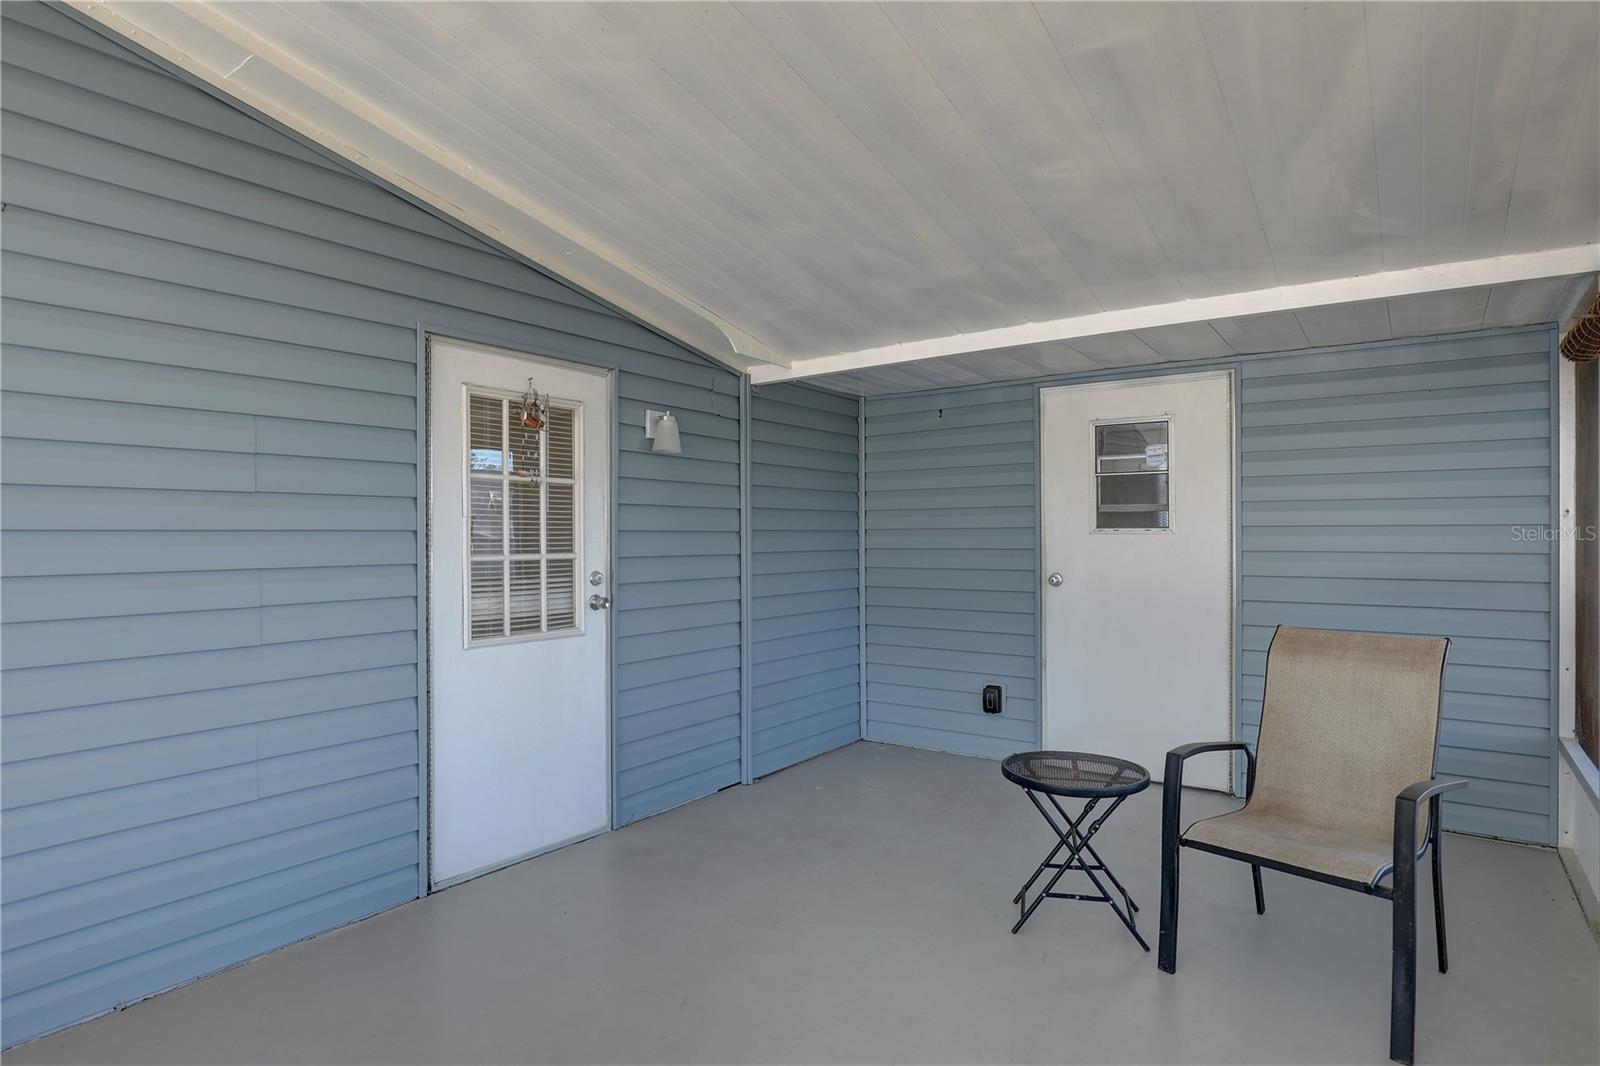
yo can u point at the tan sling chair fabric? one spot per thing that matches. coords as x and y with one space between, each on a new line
1349 719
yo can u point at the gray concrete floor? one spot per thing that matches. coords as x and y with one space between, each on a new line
856 909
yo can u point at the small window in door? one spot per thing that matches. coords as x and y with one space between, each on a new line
1132 468
523 538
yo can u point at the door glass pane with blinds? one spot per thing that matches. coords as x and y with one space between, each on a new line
523 538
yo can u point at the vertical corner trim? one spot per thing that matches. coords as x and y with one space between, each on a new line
1038 560
1236 763
1553 826
861 555
745 768
424 625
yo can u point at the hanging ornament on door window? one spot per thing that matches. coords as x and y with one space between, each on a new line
535 409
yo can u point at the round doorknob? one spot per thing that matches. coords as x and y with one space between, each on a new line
1055 581
598 602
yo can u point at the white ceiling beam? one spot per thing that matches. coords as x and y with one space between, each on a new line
1580 293
200 39
1440 277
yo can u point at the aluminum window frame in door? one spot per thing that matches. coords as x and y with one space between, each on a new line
1095 474
1230 372
426 335
580 625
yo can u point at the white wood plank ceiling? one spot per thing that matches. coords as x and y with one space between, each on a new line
844 188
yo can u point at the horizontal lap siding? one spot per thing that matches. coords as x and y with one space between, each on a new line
952 569
677 599
1382 487
1382 490
209 505
805 683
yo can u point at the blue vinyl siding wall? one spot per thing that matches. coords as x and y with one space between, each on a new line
210 578
676 609
952 568
1382 487
805 683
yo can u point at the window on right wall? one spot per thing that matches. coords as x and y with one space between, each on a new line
1132 476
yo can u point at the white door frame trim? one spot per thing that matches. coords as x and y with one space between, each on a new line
425 637
1230 372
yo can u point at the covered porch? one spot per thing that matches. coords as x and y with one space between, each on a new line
525 542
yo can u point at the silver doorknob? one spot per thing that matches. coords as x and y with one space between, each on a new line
598 602
1055 581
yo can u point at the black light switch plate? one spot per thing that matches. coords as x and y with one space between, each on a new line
991 699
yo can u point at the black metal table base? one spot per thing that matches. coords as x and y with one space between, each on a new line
1082 857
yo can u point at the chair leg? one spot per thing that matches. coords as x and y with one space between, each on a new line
1167 954
1261 900
1403 981
1438 886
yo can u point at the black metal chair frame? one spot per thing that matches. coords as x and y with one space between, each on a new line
1402 892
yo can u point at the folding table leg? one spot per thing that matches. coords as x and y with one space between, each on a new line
1076 842
1043 866
1063 841
1095 855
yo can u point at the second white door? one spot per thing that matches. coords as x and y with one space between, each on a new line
520 744
1137 496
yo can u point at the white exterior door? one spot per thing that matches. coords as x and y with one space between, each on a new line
520 744
1137 495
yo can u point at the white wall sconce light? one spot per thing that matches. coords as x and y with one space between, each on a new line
661 430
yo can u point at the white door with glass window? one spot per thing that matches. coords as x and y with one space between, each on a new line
1137 496
518 542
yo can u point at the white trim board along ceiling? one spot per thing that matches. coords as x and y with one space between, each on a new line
912 195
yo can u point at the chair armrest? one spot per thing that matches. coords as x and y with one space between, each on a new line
1414 794
1405 814
1172 782
1183 752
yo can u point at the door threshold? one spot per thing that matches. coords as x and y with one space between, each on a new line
451 882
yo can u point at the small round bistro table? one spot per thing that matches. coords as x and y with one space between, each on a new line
1093 779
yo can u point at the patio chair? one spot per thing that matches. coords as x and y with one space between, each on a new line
1335 788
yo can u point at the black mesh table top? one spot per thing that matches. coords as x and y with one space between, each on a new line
1075 773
